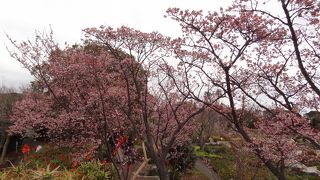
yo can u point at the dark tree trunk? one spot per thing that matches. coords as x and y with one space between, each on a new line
275 171
159 161
295 42
162 170
201 143
3 139
4 149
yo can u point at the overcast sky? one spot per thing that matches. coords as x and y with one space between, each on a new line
20 18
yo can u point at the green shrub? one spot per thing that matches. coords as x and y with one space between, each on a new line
203 154
86 170
218 149
45 173
181 159
93 170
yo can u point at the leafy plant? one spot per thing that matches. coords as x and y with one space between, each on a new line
181 159
50 155
93 170
45 173
20 170
203 154
86 170
208 153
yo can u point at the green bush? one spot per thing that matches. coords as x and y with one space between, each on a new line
218 149
93 170
181 159
203 154
45 173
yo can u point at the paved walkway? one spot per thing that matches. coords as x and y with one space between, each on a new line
200 166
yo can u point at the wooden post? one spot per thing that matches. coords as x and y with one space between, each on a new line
144 163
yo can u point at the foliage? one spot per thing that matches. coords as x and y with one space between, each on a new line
50 155
205 153
234 165
25 170
314 117
181 158
19 171
45 173
93 170
219 149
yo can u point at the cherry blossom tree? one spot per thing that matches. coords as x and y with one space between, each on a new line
167 117
299 45
290 80
75 94
212 49
245 57
116 79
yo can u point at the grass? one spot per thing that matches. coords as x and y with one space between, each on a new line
204 154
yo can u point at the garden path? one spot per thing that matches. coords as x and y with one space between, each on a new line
200 166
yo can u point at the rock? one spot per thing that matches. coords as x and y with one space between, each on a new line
304 168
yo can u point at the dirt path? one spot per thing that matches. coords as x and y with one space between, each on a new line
200 166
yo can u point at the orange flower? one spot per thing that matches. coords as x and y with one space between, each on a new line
25 149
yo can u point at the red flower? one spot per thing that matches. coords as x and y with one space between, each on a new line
74 165
88 157
120 141
25 149
104 162
90 154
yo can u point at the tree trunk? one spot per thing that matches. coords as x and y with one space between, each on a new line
295 41
3 139
161 166
4 150
274 170
201 143
162 170
156 156
158 160
279 174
